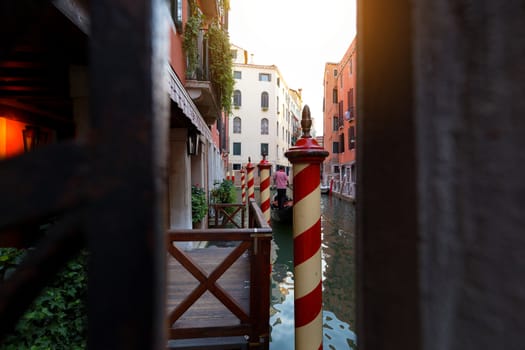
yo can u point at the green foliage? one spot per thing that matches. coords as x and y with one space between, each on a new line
221 64
199 206
58 317
190 41
224 192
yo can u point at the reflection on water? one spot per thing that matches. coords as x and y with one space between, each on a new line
338 227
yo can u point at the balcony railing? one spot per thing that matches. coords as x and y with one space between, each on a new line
199 85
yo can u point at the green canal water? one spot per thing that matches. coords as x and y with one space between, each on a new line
338 268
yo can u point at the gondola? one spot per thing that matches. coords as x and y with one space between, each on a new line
284 215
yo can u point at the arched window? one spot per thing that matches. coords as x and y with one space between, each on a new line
264 126
237 102
264 100
236 125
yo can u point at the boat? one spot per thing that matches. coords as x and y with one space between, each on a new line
325 189
284 215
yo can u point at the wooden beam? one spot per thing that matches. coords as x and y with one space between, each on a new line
130 132
42 182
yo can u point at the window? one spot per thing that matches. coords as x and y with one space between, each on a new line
176 14
350 99
236 148
237 98
335 147
335 99
264 126
233 52
278 81
277 104
335 123
277 129
264 100
342 143
335 72
264 149
236 125
351 137
236 166
237 74
265 77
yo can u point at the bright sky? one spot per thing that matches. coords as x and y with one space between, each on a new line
298 36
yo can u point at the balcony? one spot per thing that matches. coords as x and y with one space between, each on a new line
210 8
203 95
199 84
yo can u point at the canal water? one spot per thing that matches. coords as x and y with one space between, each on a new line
338 269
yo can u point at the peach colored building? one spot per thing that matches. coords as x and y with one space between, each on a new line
339 114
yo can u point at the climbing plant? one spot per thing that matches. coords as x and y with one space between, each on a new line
221 64
190 41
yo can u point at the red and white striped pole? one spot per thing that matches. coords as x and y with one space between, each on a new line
251 181
306 157
264 168
243 187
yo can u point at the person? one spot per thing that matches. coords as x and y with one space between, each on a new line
280 180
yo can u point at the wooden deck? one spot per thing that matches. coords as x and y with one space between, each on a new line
218 294
208 311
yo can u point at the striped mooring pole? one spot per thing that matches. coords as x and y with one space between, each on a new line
251 183
243 187
306 157
264 168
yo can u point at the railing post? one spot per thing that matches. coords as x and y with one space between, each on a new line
264 168
306 157
260 294
251 183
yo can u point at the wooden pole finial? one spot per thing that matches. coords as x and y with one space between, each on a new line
306 122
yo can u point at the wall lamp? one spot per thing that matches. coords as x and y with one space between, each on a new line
32 138
193 144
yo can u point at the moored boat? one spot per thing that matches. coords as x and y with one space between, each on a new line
284 214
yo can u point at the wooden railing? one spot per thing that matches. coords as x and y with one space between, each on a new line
225 214
252 321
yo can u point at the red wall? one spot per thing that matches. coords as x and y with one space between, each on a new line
11 142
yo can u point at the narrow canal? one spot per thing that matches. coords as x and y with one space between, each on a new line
338 268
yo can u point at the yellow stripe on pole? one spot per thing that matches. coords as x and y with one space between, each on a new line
306 212
310 336
309 273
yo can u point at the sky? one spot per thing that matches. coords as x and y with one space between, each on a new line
299 37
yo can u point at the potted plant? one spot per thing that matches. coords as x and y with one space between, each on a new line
199 206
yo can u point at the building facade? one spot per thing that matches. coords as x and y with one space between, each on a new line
265 118
339 115
55 110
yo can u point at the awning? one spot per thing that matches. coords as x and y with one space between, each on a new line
181 97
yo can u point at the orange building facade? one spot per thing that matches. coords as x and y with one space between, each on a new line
339 115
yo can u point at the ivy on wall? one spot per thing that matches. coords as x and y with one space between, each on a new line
57 319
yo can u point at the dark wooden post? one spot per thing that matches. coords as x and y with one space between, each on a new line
129 135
